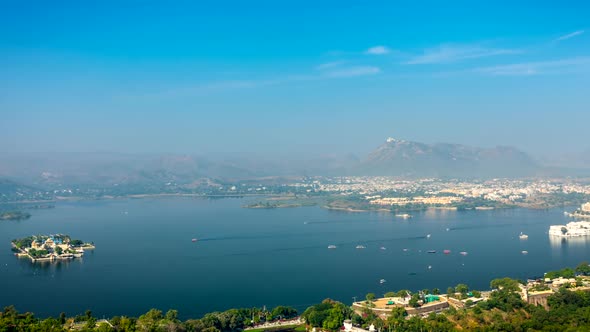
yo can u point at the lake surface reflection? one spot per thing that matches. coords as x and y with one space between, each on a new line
253 257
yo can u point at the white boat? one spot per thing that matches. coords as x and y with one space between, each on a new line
382 281
360 247
429 267
448 229
523 236
332 246
524 252
405 249
383 248
404 216
464 253
428 236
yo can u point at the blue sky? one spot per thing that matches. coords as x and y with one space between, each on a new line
292 77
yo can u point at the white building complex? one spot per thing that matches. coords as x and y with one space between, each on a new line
574 228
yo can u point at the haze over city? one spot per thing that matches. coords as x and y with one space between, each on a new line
294 166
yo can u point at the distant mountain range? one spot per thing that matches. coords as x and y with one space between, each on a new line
393 158
407 158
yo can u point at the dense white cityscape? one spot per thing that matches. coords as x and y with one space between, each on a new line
383 190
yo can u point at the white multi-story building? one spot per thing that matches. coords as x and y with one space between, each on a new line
574 228
586 207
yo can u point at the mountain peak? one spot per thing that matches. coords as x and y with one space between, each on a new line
393 140
406 158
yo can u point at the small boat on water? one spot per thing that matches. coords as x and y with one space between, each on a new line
446 251
524 252
431 251
405 249
332 246
523 236
429 267
464 253
448 229
382 281
360 247
383 248
194 240
428 236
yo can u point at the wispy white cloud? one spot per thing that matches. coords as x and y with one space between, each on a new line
329 65
378 50
570 35
540 67
338 69
452 53
334 70
352 72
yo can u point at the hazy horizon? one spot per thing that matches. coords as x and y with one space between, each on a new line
294 79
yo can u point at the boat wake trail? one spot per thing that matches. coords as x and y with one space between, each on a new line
460 228
251 237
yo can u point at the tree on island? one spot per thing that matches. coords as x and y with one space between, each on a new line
282 312
583 268
328 315
414 301
172 315
564 273
462 289
396 318
507 284
370 297
450 291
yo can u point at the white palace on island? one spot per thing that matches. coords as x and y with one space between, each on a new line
574 228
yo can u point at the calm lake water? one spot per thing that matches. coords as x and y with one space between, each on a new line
253 257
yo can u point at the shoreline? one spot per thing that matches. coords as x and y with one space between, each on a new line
135 196
275 197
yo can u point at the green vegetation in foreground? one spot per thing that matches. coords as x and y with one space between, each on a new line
504 310
153 320
285 328
14 215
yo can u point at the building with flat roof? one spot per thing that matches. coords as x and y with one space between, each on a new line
382 307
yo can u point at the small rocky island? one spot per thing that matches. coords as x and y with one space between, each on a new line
14 215
42 248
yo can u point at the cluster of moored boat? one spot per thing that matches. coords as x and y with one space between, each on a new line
446 251
521 236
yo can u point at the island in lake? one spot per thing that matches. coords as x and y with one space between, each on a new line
40 248
14 215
